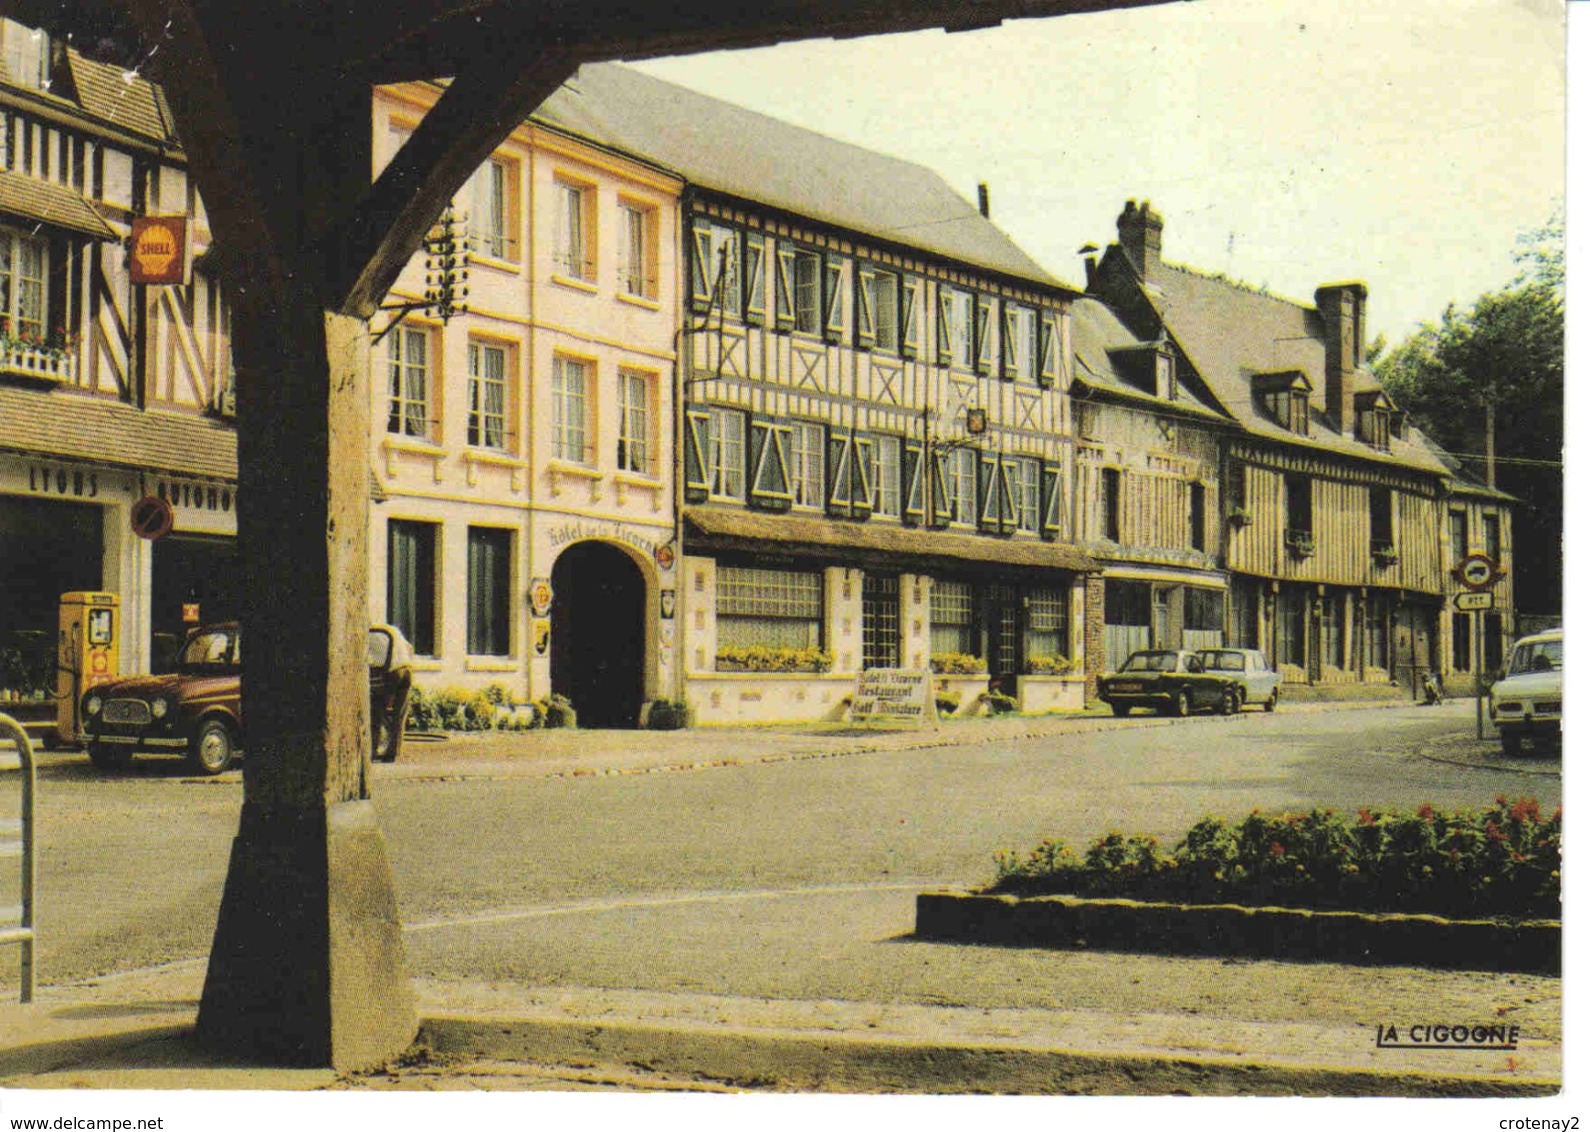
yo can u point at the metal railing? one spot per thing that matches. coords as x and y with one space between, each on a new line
16 840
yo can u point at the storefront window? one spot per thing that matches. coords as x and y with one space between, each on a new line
771 608
1048 619
954 618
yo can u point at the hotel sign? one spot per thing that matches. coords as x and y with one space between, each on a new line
159 250
894 695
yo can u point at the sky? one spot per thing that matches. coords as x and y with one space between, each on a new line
1404 143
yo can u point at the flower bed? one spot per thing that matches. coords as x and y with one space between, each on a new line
759 658
1474 889
1504 861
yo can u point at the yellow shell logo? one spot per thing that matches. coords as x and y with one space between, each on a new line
156 249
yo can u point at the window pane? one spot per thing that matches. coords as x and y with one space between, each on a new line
489 599
806 458
886 475
886 312
411 582
771 608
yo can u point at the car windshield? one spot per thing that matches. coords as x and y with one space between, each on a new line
208 647
1150 662
1536 656
1217 660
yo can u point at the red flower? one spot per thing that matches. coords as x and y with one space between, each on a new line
1525 809
1277 849
1365 817
1427 812
1493 833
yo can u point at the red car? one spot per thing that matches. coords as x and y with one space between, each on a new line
197 711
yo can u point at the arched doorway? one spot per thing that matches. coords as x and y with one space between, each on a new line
599 634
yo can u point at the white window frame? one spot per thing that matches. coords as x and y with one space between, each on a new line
886 476
886 311
1026 489
962 312
490 211
487 426
571 389
634 422
637 224
408 360
807 298
573 241
808 459
725 456
16 322
960 486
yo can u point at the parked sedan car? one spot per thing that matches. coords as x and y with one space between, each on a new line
1172 681
1257 682
197 711
1527 701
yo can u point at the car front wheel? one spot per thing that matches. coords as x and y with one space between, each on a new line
1275 698
212 748
1120 709
1179 705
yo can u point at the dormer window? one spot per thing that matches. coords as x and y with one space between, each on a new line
1165 374
1150 367
24 55
1374 419
1284 396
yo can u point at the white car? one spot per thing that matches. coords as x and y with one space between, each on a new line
1528 701
1259 683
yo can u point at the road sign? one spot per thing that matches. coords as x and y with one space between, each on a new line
1477 571
151 517
1473 602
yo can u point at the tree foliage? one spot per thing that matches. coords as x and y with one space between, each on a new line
1506 349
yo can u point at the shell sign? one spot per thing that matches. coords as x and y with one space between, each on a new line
159 249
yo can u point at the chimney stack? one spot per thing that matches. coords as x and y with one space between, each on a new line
982 198
1141 229
1342 309
1090 262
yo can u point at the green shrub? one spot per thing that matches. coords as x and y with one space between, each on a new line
998 703
947 705
668 715
557 711
957 664
1502 861
1050 664
761 658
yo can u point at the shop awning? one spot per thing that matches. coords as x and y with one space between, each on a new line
57 205
734 529
60 425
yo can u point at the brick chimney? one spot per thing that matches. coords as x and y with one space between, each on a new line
1343 309
1140 228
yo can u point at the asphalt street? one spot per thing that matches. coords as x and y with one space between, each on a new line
782 878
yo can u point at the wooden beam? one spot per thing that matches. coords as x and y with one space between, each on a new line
365 252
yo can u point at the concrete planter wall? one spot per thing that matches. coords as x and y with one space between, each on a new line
1050 693
1231 929
963 689
767 697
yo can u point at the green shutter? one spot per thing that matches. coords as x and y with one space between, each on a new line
983 330
1049 500
1007 343
703 273
833 298
756 278
910 335
942 330
840 455
1049 351
941 508
862 489
988 499
866 317
1006 488
784 288
913 508
770 444
698 427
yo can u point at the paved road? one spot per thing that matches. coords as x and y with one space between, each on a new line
762 878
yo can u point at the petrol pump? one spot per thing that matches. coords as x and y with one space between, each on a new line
89 653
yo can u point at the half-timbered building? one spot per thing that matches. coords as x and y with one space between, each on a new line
1147 490
875 453
1340 524
109 392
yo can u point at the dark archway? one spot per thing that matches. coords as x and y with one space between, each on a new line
599 634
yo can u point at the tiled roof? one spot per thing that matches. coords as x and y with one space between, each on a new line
33 199
1232 332
717 145
68 426
122 98
1095 332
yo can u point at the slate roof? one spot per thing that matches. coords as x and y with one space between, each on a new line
63 425
1232 332
731 150
1095 331
31 199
